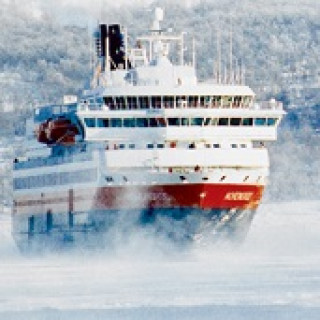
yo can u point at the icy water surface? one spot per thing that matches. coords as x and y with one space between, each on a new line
274 275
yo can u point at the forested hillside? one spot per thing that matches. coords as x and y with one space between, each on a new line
277 41
39 58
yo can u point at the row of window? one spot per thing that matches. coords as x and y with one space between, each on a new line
172 145
55 179
51 161
157 102
163 122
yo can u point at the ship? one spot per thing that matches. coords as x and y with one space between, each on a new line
146 142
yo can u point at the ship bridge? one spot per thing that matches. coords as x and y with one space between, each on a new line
147 63
150 95
180 117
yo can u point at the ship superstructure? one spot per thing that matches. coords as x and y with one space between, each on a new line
149 138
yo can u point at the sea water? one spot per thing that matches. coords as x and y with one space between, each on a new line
274 274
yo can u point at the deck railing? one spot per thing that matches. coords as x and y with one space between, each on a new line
268 105
264 105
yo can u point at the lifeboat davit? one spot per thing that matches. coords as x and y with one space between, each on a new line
57 131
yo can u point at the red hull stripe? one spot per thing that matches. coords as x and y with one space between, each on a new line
204 196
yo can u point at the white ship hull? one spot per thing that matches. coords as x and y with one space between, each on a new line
74 200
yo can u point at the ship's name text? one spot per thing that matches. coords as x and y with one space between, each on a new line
238 196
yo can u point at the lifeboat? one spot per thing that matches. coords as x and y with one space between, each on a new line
40 133
57 131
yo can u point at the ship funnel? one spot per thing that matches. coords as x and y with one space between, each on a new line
110 47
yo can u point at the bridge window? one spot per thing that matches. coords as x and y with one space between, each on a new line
129 122
181 102
247 122
216 101
196 121
90 122
144 102
132 102
174 121
116 122
237 101
168 102
109 102
121 102
260 121
142 122
150 146
193 101
271 121
226 101
207 121
161 122
156 102
153 122
235 121
211 121
102 123
185 121
205 101
223 121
